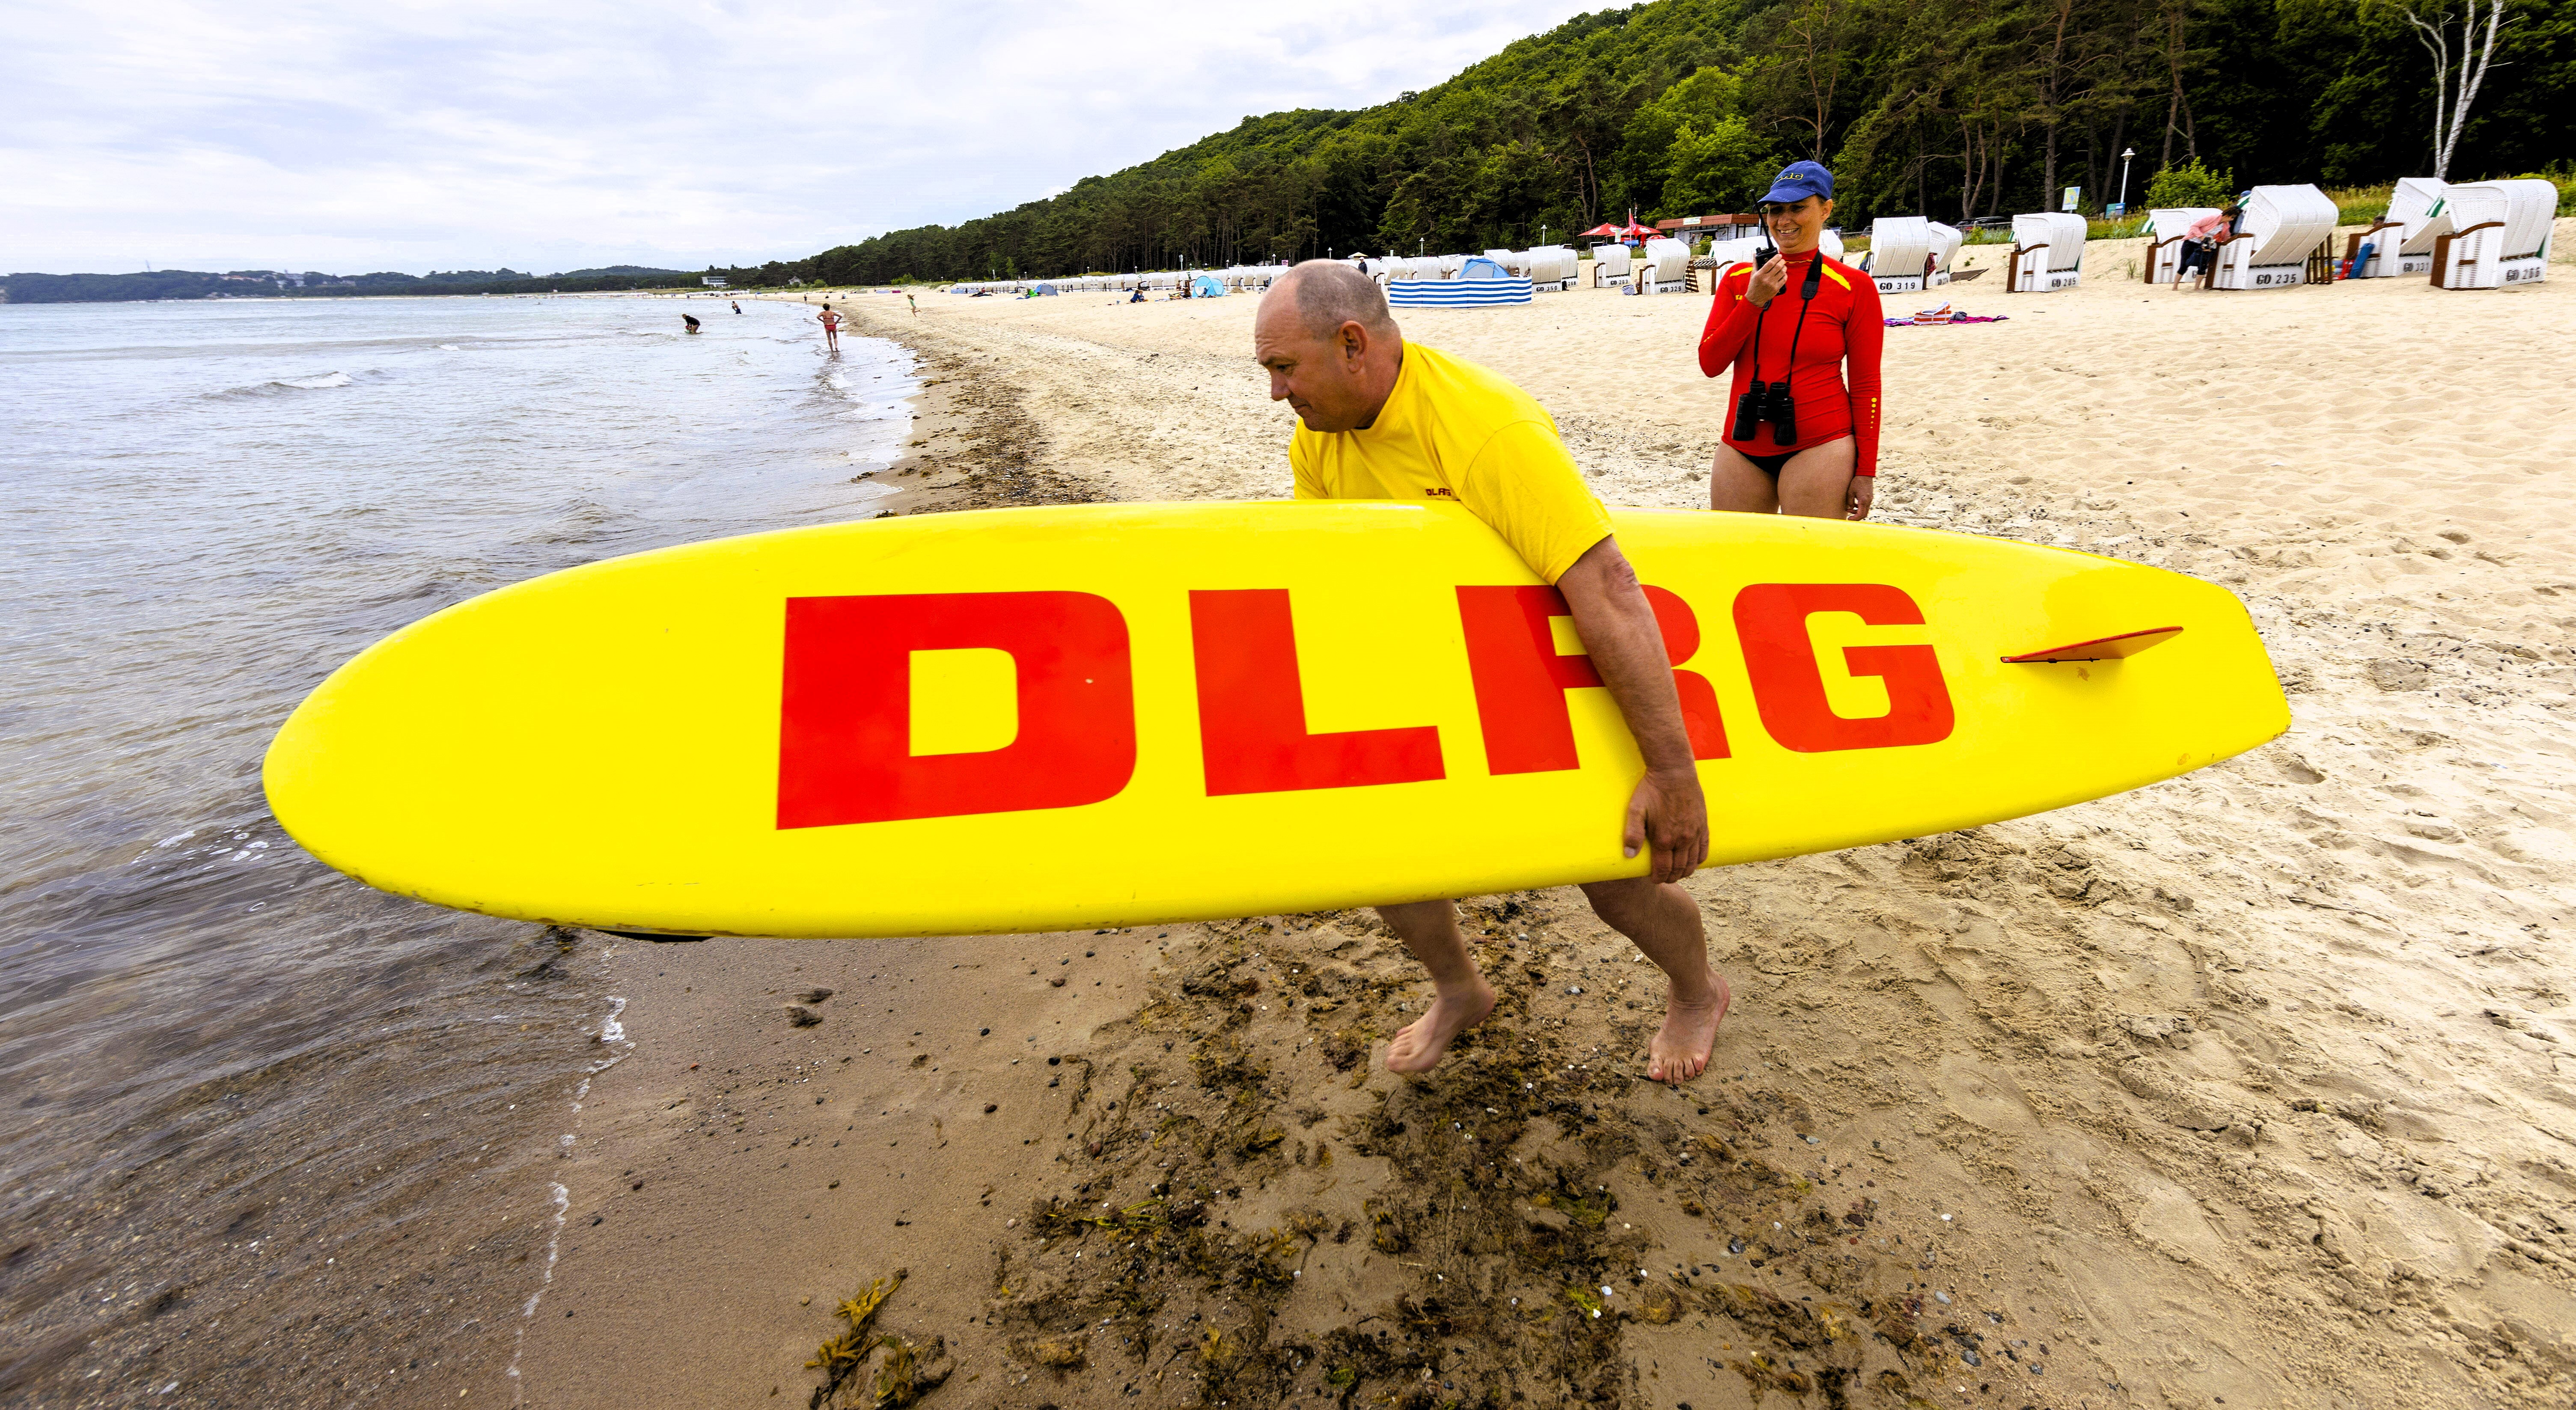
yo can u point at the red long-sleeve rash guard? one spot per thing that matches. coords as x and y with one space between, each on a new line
1844 324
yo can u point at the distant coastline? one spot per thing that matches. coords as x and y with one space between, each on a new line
312 284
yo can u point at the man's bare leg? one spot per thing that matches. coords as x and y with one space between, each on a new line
1462 998
1664 922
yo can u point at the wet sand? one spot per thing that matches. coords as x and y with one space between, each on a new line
2253 1085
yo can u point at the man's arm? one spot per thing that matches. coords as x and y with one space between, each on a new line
1627 650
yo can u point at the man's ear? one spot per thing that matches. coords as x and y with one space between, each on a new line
1354 340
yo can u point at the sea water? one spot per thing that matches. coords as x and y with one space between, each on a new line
267 1136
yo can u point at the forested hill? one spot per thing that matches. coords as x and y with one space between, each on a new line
1947 108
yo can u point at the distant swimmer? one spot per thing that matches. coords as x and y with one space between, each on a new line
1383 418
737 305
831 322
690 319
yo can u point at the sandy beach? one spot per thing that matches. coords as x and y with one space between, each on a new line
2257 1087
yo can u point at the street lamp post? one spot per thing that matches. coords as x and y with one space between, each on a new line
2124 179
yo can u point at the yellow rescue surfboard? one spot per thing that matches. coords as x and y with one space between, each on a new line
1040 719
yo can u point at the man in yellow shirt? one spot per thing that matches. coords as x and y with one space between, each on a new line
1383 419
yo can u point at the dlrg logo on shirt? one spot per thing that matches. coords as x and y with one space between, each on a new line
846 729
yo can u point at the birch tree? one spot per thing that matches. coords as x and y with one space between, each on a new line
2455 79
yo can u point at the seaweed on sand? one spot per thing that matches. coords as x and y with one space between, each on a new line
1478 1241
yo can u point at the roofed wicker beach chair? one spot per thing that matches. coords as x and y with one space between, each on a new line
2282 228
1900 253
2500 235
2167 226
2047 253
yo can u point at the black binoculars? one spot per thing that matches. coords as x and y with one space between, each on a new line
1767 401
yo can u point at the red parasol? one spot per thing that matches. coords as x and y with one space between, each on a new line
1606 227
1639 233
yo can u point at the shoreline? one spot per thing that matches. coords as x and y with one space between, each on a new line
2231 1086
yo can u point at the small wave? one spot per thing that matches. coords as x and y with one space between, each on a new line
314 384
449 347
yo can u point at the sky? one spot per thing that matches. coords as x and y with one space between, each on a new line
391 135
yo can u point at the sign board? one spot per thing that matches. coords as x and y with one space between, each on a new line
2073 193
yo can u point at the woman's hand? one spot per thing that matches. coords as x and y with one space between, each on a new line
1770 278
1856 500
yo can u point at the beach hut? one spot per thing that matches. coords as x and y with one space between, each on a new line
2166 226
2500 235
2281 228
2047 253
1900 253
1609 263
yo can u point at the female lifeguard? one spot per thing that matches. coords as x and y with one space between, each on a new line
1798 440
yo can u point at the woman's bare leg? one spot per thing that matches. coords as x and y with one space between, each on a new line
1816 483
1738 486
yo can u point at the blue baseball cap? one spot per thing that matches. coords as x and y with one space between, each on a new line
1798 180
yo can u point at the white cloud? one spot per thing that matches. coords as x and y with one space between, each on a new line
472 134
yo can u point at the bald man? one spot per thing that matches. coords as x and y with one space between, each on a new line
1384 419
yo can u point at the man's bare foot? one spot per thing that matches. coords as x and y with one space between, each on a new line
1421 1043
1681 1048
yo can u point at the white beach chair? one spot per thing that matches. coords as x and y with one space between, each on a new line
1552 268
2047 253
1830 240
1724 255
1664 267
2500 235
1900 253
2281 228
1609 264
1449 265
2421 209
2166 226
2401 242
1946 240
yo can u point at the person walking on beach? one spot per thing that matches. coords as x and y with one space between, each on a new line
1381 418
831 322
912 303
1796 439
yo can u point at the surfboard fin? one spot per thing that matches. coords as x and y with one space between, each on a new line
2107 648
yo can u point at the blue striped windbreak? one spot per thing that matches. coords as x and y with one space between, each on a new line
1456 293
